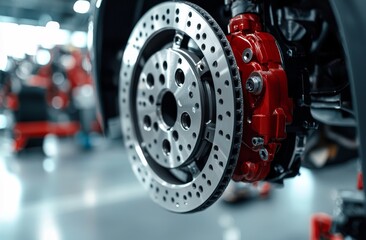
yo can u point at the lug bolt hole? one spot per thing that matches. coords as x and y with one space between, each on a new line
179 77
185 121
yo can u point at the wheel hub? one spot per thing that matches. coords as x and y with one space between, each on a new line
169 107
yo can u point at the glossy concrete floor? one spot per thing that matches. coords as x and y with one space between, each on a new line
72 194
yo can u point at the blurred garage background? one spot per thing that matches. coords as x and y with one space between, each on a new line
61 179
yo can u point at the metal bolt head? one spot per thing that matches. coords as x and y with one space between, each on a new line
254 84
178 41
178 38
310 125
263 153
290 53
257 141
279 169
201 67
250 85
247 55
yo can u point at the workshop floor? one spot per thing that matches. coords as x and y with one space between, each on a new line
86 195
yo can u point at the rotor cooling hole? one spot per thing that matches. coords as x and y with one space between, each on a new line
147 123
156 126
150 80
162 79
151 99
166 147
175 135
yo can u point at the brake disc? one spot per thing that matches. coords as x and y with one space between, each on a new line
181 106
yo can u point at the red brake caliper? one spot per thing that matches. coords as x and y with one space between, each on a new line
267 107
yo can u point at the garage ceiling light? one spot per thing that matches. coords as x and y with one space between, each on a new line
81 6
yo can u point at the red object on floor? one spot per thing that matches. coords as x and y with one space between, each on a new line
96 127
360 181
321 225
265 189
27 130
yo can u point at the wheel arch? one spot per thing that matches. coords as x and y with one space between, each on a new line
351 21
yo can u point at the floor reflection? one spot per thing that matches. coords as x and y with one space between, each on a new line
66 193
10 193
48 228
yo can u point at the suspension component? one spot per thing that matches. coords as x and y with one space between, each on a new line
267 107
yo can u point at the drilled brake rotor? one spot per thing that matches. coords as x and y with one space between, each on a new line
181 106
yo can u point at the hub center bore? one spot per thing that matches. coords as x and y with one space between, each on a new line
169 109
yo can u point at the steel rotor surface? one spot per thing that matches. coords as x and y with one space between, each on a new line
181 106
